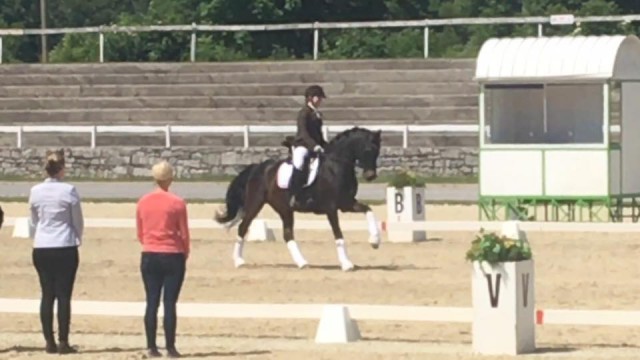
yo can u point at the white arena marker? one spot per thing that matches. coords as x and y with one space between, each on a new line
405 206
503 308
336 326
260 231
511 230
22 228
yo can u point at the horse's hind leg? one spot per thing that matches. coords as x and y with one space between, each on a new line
255 202
286 214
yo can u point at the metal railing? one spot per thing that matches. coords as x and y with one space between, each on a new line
245 130
425 24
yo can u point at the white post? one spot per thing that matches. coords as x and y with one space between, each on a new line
167 137
94 130
426 42
540 30
193 42
246 136
405 205
316 40
101 35
0 49
503 308
19 137
405 136
325 133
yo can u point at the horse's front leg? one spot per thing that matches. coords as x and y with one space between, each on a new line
341 247
372 223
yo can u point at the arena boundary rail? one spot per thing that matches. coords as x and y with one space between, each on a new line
361 225
314 311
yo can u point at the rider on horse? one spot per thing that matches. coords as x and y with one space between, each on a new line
308 139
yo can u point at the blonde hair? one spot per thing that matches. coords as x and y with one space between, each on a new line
54 162
162 172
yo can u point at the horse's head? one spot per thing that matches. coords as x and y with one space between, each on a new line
359 145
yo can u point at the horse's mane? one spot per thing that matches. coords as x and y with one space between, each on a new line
346 134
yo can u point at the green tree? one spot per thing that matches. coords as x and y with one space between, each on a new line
444 41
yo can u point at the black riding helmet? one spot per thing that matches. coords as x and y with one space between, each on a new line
314 90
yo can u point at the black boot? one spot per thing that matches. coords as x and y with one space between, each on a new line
51 347
295 185
65 348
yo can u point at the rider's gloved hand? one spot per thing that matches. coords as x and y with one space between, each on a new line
318 149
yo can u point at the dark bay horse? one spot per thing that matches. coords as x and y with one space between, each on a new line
334 189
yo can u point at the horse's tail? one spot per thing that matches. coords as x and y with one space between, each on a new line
235 197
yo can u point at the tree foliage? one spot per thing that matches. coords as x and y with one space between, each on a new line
445 41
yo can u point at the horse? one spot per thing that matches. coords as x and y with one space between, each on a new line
331 186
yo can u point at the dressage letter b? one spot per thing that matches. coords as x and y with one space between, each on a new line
399 205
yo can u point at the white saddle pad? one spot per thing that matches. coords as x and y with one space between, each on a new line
286 170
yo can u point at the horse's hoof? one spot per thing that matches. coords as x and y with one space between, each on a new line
374 241
347 266
238 262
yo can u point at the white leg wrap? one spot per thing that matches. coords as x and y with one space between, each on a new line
296 254
345 263
238 261
374 232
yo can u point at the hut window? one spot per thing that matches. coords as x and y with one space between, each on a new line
514 114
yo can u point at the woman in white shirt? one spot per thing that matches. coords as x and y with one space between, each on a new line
56 216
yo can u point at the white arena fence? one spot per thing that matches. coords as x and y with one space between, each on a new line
394 313
361 225
245 130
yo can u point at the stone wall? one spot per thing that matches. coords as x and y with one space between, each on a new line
200 162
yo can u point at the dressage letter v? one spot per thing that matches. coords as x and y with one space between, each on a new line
494 297
525 289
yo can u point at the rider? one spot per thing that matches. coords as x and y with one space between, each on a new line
308 138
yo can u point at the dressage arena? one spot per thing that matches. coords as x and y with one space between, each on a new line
592 271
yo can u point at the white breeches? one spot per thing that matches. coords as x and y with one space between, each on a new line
299 154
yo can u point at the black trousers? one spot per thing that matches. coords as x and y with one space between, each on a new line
56 269
162 271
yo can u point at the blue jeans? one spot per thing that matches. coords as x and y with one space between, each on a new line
162 271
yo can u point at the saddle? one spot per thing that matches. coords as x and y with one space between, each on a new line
286 168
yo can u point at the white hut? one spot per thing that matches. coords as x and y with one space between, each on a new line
559 128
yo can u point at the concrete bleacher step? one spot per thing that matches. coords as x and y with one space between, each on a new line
234 116
439 75
288 89
255 102
259 66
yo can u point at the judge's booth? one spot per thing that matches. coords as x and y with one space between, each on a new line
559 128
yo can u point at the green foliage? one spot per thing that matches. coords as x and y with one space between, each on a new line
76 48
444 41
404 178
494 249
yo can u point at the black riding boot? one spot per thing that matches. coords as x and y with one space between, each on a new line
295 185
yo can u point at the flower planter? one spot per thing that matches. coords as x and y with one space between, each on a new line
405 205
503 307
